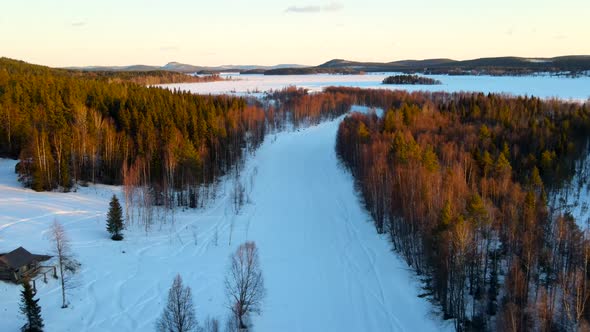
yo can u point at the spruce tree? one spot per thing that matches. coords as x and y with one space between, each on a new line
30 309
115 219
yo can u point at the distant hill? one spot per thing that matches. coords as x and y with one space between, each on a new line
187 68
572 65
569 65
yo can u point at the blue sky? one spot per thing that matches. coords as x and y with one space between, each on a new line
122 32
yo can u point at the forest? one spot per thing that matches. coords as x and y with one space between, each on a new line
459 184
410 79
71 128
574 65
145 77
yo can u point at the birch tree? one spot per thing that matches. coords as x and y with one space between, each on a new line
67 264
244 284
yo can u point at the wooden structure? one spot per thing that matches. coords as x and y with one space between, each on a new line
19 264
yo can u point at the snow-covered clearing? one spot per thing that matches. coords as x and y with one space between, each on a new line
325 267
543 86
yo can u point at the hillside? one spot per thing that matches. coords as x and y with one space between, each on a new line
187 68
573 65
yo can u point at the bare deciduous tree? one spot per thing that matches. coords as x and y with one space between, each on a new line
179 314
244 284
67 264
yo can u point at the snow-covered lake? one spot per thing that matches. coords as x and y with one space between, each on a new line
544 86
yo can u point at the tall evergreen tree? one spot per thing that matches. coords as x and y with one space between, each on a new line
115 219
30 308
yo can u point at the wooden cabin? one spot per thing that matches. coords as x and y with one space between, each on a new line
19 263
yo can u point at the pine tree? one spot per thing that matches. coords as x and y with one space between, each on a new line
446 215
115 219
430 159
487 163
503 165
30 309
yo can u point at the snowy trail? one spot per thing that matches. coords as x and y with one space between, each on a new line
325 267
331 270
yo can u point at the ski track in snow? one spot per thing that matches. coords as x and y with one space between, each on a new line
325 267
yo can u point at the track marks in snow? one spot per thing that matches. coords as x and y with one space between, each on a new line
341 274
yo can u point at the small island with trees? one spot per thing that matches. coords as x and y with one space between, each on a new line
410 79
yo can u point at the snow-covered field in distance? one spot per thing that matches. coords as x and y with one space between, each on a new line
543 86
325 267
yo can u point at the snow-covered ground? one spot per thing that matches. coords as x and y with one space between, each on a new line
544 86
325 268
574 196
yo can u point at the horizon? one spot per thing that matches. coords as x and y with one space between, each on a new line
284 63
68 33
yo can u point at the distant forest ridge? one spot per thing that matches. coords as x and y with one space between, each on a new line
569 65
138 75
573 65
186 68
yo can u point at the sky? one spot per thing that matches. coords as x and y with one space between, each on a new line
63 33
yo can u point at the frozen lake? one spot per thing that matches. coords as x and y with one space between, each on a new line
540 86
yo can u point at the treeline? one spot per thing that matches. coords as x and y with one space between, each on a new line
576 65
163 145
295 106
146 77
410 79
459 182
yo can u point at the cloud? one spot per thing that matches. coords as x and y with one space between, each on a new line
78 24
331 7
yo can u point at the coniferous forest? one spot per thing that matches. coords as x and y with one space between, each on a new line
410 79
69 128
145 77
459 182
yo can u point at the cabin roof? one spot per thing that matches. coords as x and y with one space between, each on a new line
20 257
